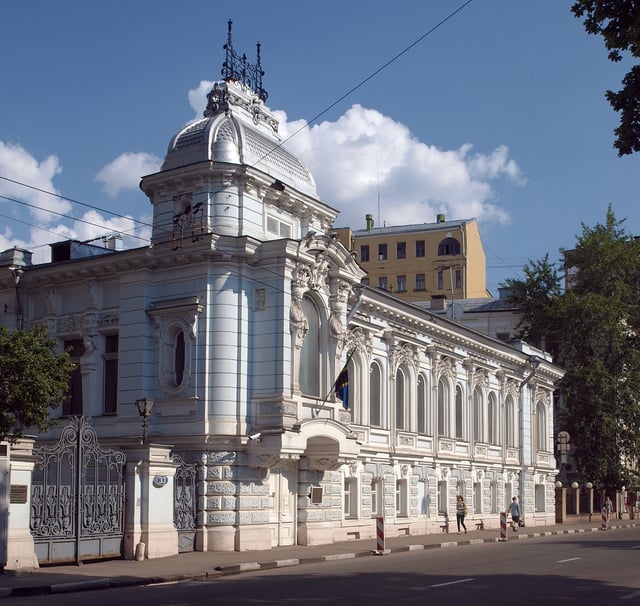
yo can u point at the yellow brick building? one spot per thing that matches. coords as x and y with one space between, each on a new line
441 260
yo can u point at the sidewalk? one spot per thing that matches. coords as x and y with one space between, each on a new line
199 565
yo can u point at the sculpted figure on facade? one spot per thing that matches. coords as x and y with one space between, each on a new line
335 318
320 271
480 378
403 353
299 324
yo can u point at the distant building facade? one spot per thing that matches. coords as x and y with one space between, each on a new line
239 317
440 260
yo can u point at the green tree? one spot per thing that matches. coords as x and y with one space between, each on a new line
33 380
618 22
535 296
592 330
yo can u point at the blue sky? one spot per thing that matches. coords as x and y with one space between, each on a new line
498 114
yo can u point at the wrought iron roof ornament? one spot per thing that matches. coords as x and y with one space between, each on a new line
239 69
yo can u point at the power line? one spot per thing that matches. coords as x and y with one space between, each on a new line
61 197
279 145
373 74
53 212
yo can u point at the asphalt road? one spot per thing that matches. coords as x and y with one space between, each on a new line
593 568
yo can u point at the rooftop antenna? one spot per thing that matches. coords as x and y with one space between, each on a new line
378 185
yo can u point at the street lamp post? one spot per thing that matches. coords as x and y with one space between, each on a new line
145 405
589 486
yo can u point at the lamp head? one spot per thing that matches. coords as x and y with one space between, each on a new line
145 405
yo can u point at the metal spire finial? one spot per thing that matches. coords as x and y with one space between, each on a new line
238 69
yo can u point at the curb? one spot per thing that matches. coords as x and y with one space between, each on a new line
119 582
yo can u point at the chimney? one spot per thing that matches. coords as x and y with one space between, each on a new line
369 219
438 303
440 218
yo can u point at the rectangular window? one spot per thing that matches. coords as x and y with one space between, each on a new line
285 230
382 282
540 497
443 505
110 378
401 283
440 279
365 281
376 498
458 278
401 498
382 252
423 508
73 405
350 498
477 497
420 283
279 228
364 253
494 497
419 248
401 250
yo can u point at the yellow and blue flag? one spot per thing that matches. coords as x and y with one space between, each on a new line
342 387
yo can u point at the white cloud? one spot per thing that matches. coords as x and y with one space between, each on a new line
124 173
198 98
22 168
365 156
365 153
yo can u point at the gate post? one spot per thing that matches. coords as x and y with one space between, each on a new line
21 551
149 480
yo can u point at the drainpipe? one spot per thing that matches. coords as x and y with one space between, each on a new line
17 274
464 264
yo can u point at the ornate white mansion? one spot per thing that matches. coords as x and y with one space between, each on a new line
236 321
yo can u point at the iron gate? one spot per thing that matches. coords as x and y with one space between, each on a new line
185 500
77 498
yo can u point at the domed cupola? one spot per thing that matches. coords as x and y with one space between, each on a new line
237 128
228 174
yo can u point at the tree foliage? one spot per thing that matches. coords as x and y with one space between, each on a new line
33 380
535 296
592 330
618 22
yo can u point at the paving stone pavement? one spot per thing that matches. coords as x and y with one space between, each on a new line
201 565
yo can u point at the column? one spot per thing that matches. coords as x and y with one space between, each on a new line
149 529
20 547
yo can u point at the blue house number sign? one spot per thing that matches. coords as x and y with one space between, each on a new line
160 481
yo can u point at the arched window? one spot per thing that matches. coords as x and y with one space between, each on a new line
459 413
541 426
310 353
511 422
179 357
448 247
443 407
422 405
400 399
375 401
478 415
492 419
174 357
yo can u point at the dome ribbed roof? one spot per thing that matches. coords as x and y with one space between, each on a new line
238 129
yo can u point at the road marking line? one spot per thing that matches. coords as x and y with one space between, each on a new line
629 596
636 547
452 583
568 560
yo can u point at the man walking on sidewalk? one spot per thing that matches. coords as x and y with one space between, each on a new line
514 510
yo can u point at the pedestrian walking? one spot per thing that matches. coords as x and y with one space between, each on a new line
461 513
608 505
514 510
